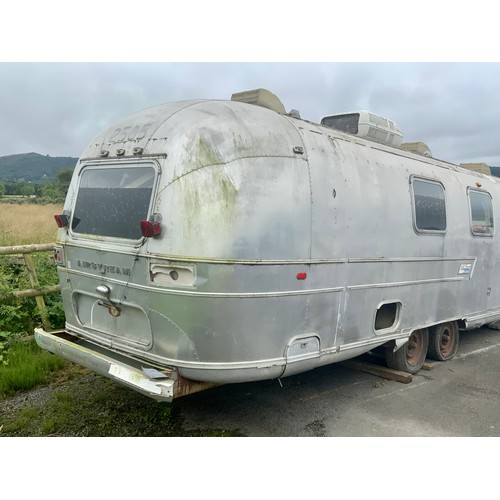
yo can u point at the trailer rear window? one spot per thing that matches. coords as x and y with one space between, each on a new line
112 201
429 206
481 213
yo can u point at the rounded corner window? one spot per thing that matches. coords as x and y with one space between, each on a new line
429 206
112 200
480 213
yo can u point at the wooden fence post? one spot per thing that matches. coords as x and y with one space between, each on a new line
44 315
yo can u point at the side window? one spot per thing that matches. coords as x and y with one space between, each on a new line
481 213
429 206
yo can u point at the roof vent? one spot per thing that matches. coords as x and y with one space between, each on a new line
294 113
260 97
367 125
419 148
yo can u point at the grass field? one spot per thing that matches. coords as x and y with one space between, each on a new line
27 224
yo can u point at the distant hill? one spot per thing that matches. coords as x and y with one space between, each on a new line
33 167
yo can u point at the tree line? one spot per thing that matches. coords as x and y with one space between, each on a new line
48 192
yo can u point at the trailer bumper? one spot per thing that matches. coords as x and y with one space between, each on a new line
161 385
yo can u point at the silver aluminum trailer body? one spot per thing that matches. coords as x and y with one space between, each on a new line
284 246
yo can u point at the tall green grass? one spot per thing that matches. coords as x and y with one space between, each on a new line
27 366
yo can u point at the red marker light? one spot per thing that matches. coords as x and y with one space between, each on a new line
62 220
59 257
150 229
301 276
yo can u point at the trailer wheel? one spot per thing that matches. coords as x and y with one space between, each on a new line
443 341
410 357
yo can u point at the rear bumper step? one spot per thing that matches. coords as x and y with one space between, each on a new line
164 385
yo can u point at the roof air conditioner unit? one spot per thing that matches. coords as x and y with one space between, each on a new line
367 125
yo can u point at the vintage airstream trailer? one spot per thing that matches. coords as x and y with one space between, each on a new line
209 242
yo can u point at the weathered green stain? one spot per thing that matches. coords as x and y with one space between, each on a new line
243 148
206 195
228 191
209 200
211 184
203 154
206 188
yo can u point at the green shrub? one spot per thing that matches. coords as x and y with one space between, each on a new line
21 316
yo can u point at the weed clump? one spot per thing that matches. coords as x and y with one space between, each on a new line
26 367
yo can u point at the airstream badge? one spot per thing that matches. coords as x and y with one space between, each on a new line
104 269
465 269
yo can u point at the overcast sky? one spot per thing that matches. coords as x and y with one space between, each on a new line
57 108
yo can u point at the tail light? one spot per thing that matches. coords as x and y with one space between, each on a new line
62 220
152 227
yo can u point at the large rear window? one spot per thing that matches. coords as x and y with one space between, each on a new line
112 201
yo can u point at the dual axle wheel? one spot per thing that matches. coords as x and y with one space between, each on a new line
439 342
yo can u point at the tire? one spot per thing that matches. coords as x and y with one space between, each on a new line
410 357
443 341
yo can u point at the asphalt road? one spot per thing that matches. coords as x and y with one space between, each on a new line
460 397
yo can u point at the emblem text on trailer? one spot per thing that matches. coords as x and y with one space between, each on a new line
103 269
